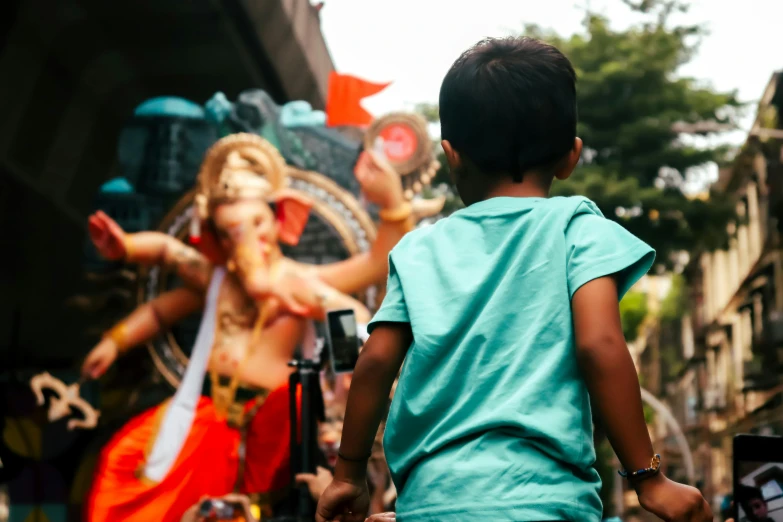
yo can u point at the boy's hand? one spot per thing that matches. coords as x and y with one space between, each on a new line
673 502
347 500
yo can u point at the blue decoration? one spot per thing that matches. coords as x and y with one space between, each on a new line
170 106
301 114
218 108
117 186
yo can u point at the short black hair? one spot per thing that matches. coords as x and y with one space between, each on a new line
509 105
747 493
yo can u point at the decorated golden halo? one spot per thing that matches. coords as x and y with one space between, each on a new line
238 166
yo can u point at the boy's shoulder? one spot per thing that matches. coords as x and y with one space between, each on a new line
566 206
575 205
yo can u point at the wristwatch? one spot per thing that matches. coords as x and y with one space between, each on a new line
644 473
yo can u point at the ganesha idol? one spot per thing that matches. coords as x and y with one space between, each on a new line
227 426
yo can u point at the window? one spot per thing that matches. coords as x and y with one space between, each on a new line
771 489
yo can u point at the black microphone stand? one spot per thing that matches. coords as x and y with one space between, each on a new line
303 451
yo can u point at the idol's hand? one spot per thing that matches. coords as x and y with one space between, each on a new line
296 294
107 236
280 292
379 181
100 358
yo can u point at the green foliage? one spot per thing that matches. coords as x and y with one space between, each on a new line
634 110
673 308
633 311
675 304
429 111
649 413
604 465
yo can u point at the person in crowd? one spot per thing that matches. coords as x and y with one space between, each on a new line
381 489
506 315
753 504
244 513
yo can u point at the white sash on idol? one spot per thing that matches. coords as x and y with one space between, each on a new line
181 409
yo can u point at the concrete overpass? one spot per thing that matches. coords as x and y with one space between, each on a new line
71 72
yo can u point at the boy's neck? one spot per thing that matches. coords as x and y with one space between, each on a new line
531 187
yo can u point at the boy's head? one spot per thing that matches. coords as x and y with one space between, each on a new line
753 503
508 115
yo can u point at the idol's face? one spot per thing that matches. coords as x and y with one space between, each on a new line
246 223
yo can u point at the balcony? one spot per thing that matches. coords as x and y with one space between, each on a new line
714 398
773 330
759 374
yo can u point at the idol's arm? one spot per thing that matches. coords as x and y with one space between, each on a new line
157 248
143 324
331 299
371 267
304 294
156 316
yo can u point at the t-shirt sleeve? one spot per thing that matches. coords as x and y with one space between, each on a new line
393 309
598 247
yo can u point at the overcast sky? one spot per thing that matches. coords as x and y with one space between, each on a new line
413 42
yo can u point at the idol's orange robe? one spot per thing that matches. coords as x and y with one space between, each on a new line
207 465
191 448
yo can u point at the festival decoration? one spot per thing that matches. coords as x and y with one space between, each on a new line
66 400
343 103
407 146
246 287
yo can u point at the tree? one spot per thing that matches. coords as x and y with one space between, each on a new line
633 312
635 114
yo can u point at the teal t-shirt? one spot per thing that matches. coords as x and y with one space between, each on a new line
491 418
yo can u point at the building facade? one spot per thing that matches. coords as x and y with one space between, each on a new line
724 376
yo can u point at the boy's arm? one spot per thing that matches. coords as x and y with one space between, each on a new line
376 369
609 372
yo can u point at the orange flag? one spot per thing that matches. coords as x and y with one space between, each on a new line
344 97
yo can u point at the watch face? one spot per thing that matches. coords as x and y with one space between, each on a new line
656 463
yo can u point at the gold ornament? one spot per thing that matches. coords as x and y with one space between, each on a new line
239 166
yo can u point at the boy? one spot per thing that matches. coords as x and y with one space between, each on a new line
506 314
753 504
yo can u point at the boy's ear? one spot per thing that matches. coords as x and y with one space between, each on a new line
452 156
569 163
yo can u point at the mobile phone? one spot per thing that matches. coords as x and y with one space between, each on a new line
758 478
218 509
342 339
